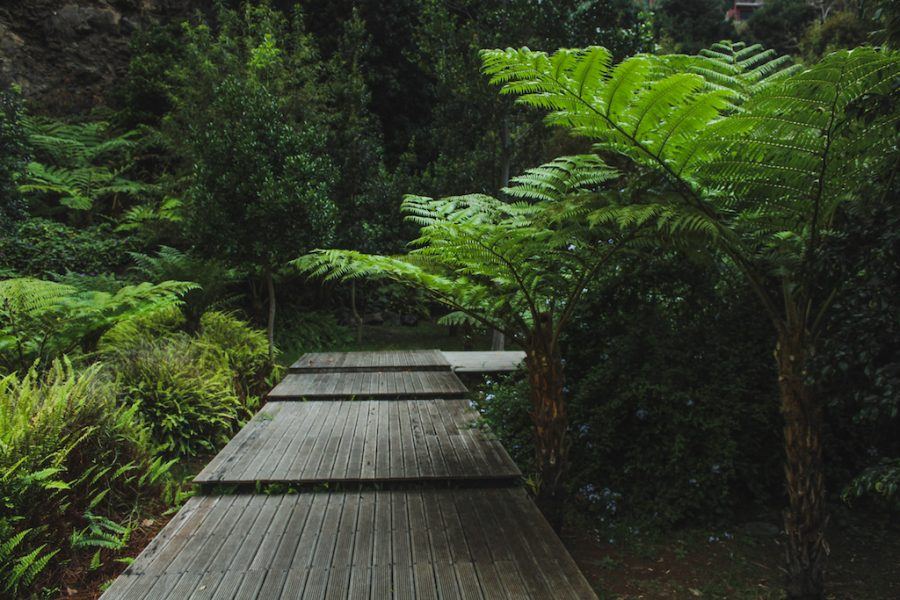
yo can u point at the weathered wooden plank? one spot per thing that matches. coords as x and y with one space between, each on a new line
439 543
361 585
366 385
338 586
405 440
468 581
424 581
485 362
405 360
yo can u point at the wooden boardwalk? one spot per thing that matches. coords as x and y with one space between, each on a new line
312 442
385 385
434 538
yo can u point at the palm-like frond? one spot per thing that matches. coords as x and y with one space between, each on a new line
501 263
638 108
757 153
796 150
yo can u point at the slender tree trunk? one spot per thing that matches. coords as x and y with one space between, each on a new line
356 317
805 518
270 325
498 340
551 421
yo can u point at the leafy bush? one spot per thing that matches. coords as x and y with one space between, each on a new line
780 24
669 397
312 331
212 278
244 349
879 482
183 390
40 247
671 394
504 405
71 459
840 30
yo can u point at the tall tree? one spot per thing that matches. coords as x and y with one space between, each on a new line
260 191
249 118
757 160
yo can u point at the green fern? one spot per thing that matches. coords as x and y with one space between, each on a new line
501 264
17 573
79 164
751 146
43 319
756 157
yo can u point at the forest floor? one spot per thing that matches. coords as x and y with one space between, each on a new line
746 563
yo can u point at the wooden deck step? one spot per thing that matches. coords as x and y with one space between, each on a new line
491 361
392 360
326 441
478 544
384 385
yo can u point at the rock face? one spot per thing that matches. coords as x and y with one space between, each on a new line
66 54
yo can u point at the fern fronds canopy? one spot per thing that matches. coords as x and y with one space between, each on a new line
502 264
758 153
79 163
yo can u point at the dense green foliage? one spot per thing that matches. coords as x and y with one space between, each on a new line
13 154
703 195
74 465
184 392
78 165
42 320
690 25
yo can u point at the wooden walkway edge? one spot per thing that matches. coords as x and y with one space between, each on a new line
355 538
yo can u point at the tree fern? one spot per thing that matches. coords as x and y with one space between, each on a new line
757 156
518 267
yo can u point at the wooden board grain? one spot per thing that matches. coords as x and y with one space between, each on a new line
364 441
380 385
387 360
434 544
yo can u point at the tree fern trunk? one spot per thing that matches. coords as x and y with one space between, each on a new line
805 517
551 421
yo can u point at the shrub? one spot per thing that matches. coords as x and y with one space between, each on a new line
73 465
840 30
671 387
244 349
504 405
40 247
183 390
212 277
312 331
